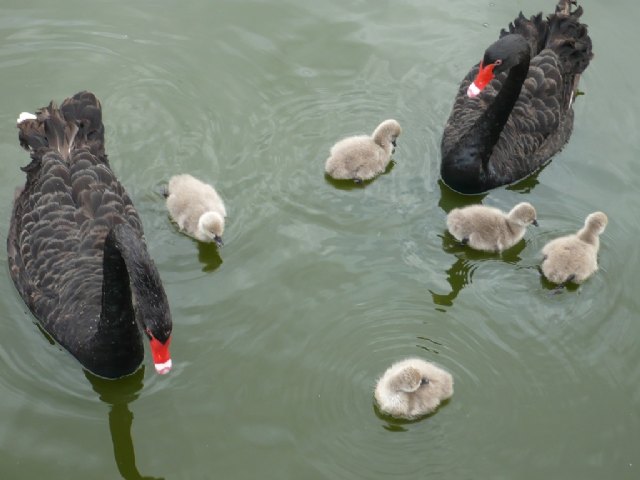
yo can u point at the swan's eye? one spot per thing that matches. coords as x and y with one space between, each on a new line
497 62
424 381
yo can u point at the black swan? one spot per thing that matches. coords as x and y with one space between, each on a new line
76 247
513 111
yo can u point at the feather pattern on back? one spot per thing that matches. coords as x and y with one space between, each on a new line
188 199
574 258
61 218
488 228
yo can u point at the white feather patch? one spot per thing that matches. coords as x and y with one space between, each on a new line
26 116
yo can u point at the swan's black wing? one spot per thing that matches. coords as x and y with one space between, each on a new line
539 124
542 119
61 217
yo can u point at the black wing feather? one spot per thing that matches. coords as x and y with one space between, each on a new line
61 218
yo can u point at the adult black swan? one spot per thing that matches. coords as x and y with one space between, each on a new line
513 111
76 248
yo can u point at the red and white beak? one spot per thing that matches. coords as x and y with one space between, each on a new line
161 356
484 76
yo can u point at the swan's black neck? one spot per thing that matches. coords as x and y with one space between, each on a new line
117 305
466 168
132 298
119 350
490 124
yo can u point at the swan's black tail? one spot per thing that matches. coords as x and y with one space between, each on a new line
535 30
561 32
569 38
76 124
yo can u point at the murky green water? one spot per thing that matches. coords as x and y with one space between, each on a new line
279 338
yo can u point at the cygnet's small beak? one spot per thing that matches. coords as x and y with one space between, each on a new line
393 142
535 223
218 241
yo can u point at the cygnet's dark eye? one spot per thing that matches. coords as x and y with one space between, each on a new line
424 381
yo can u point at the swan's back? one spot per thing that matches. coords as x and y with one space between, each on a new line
356 157
60 219
569 259
195 193
189 198
488 228
574 257
362 157
483 222
399 394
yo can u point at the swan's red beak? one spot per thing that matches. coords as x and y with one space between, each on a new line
485 75
161 356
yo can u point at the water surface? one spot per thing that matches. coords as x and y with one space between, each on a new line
279 337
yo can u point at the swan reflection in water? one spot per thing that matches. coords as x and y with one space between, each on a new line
209 256
118 394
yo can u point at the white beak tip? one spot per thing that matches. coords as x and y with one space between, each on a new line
473 90
163 368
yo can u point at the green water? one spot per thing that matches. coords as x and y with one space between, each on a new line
280 337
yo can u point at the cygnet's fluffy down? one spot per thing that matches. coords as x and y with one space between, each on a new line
363 157
490 229
197 208
412 388
574 258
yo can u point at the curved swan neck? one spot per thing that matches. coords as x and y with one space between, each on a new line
494 118
117 314
465 167
588 235
116 348
132 298
131 277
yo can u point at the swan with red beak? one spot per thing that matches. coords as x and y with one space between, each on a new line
76 247
499 135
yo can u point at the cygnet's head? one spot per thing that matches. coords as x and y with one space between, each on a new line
211 227
596 222
524 214
387 133
408 380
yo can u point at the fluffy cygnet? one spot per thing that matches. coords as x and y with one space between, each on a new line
363 157
197 208
488 228
574 258
412 388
